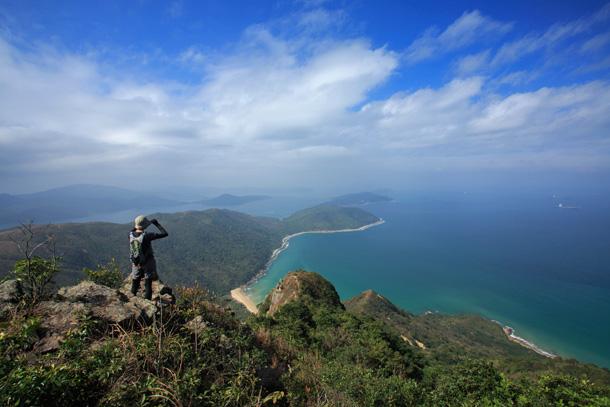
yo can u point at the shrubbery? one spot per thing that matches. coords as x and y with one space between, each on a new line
35 274
109 274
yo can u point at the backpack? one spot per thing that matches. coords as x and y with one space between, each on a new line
136 251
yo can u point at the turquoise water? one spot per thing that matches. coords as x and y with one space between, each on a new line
525 262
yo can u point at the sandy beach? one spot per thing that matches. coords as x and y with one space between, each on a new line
240 296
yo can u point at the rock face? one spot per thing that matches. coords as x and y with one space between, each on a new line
304 286
93 301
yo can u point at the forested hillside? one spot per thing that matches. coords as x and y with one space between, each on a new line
219 249
451 339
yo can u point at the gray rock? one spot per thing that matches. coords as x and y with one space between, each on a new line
57 319
10 294
110 305
91 293
10 291
90 300
160 292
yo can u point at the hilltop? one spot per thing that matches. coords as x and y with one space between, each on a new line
219 248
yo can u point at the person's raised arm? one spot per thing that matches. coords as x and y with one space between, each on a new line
161 229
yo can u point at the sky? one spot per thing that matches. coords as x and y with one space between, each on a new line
304 93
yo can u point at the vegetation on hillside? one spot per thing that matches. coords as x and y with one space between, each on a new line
311 352
327 217
451 339
220 249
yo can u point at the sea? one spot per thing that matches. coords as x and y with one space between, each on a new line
536 261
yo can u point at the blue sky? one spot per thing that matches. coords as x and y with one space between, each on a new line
309 93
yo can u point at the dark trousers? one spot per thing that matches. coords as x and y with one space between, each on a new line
135 286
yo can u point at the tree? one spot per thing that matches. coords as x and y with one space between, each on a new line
34 272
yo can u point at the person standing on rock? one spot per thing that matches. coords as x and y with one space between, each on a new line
143 263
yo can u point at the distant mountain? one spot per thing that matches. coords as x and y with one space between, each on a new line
219 248
360 198
71 202
233 200
449 339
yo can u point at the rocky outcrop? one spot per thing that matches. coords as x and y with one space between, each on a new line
10 294
108 304
311 288
161 293
88 300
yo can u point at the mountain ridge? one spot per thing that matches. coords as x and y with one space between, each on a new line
220 248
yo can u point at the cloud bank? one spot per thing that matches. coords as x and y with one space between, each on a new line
286 110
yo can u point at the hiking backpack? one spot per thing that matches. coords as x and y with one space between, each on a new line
136 251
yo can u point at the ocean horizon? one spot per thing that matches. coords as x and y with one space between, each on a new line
527 262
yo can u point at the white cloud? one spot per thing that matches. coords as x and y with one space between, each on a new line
557 33
192 56
274 95
472 63
264 100
469 28
596 43
575 111
517 78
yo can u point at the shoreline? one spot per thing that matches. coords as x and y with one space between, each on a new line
286 243
240 295
510 334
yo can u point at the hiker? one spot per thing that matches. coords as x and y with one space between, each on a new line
143 263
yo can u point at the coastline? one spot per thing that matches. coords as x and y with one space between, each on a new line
240 295
510 334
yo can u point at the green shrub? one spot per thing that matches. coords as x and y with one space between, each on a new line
35 274
108 274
